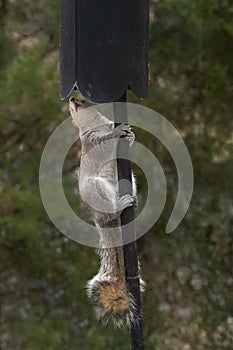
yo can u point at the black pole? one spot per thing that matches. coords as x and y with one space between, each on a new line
127 216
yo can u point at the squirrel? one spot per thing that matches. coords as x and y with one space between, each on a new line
98 183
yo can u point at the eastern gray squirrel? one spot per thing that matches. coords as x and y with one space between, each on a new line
98 180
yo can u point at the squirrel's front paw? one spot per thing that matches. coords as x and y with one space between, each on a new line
130 137
135 203
126 201
122 130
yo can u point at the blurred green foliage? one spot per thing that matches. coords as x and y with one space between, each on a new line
188 300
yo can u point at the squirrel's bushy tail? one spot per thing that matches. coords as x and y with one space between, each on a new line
113 300
108 289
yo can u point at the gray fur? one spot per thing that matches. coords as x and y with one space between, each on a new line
98 180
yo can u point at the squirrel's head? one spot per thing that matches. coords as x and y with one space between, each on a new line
75 105
83 115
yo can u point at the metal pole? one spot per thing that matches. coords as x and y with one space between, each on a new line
127 216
